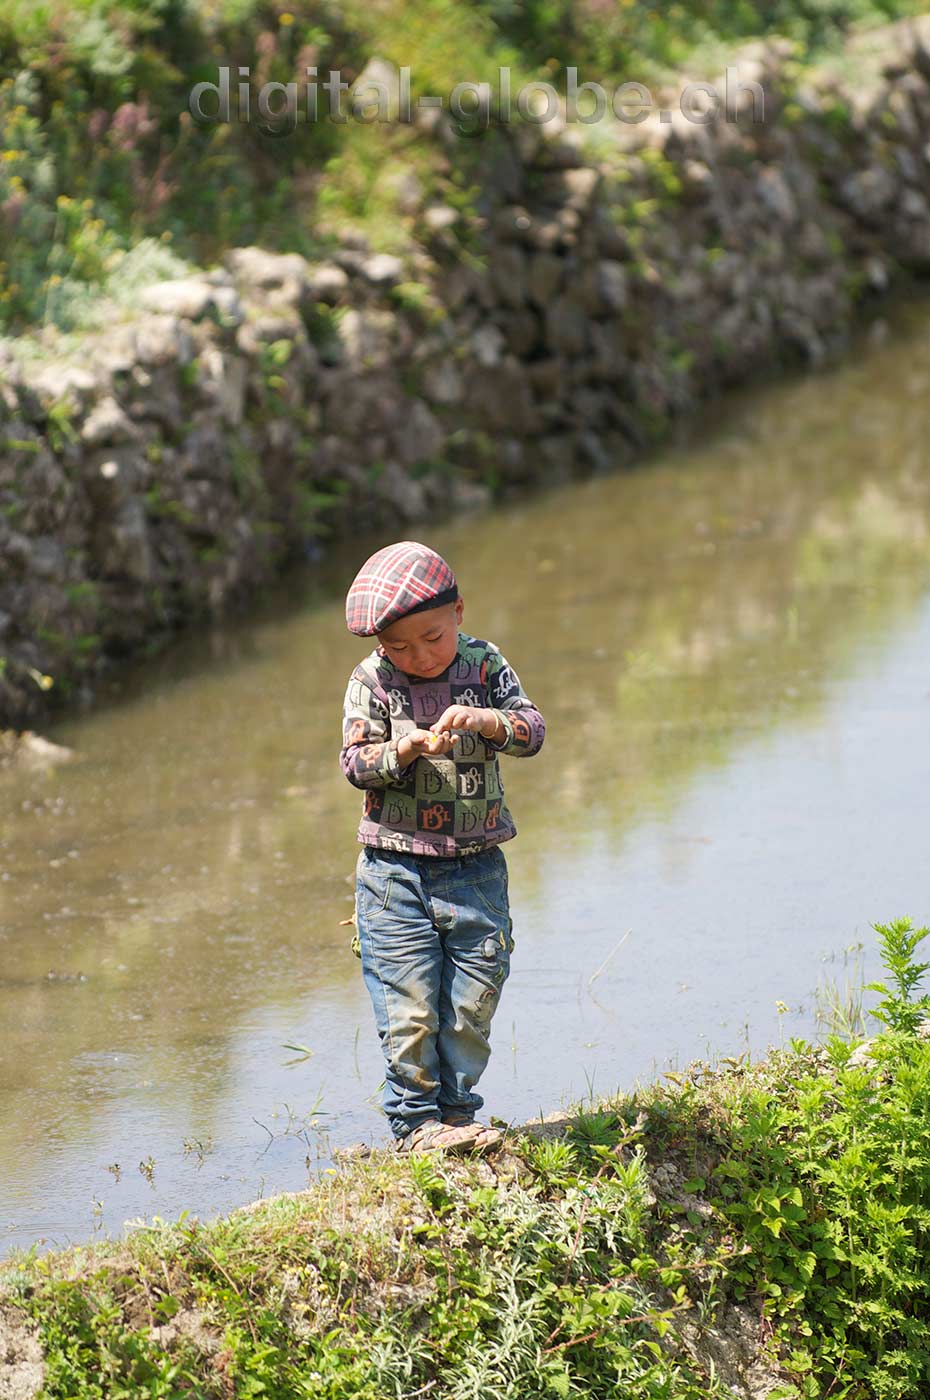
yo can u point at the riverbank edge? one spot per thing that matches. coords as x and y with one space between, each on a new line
731 1346
594 294
724 1234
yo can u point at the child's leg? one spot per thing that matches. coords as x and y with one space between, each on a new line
402 966
476 964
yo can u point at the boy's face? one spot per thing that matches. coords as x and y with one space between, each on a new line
425 643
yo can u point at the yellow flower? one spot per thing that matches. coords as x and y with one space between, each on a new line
11 155
781 1008
285 18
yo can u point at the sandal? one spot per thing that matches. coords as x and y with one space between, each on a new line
485 1136
434 1136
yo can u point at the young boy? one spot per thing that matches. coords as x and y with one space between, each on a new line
425 716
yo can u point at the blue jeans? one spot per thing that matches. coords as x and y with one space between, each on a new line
435 943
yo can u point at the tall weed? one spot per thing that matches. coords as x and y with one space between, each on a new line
826 1174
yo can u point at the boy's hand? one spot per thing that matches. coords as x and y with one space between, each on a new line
421 741
470 717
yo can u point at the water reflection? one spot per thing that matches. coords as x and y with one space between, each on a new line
729 648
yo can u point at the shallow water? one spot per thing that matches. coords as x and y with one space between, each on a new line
730 646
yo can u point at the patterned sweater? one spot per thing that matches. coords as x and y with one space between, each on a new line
453 804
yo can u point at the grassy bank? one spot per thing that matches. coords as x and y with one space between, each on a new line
106 182
741 1230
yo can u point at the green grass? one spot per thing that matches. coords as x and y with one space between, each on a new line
588 1260
107 183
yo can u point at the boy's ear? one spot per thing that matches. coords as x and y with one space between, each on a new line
459 608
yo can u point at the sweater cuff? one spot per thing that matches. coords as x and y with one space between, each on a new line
390 763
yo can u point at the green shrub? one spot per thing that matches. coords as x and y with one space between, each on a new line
826 1175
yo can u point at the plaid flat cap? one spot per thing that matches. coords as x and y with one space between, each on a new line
401 578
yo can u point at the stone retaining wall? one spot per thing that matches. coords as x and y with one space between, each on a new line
244 415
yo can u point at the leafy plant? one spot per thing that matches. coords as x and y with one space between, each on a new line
898 1009
827 1176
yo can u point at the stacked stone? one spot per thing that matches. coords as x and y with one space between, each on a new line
190 453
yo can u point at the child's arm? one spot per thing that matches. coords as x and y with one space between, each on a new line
514 724
524 726
368 757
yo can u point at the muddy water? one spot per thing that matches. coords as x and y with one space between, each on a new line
731 648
